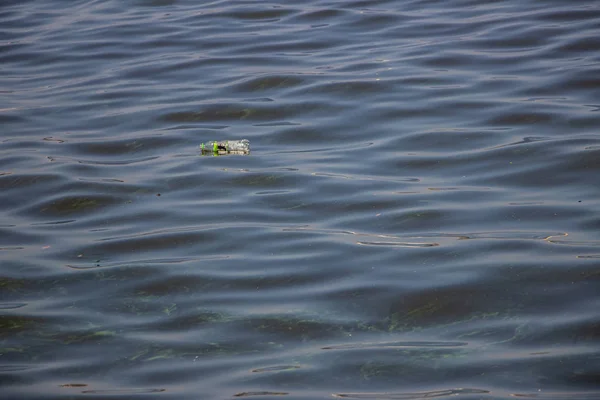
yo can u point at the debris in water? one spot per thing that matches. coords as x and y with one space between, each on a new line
226 147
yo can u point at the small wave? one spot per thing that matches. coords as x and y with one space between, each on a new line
394 345
409 396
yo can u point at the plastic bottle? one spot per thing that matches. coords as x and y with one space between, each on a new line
226 147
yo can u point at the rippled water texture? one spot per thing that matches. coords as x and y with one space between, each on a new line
418 216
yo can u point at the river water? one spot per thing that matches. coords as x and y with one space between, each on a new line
419 216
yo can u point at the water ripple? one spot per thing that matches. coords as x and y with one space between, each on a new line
418 217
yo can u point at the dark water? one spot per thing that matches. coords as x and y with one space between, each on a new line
419 216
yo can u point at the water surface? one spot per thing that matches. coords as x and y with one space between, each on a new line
418 217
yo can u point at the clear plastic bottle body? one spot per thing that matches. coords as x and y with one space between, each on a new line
226 147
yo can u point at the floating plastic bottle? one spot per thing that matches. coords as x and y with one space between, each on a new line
226 147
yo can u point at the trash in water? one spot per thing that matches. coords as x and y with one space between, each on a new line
226 147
